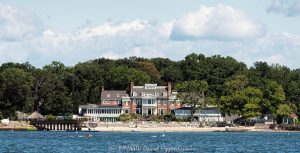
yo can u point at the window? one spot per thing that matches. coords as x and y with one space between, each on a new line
139 101
149 101
126 111
162 111
119 101
108 95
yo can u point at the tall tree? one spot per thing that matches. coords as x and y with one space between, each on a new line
273 96
195 67
120 77
191 93
15 90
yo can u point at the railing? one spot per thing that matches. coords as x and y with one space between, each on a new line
102 115
149 105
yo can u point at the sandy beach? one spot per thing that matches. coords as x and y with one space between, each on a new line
184 129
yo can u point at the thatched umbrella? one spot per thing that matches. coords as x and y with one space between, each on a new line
35 116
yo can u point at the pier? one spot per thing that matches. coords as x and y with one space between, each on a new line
57 125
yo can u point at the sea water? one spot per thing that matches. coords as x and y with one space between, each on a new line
98 142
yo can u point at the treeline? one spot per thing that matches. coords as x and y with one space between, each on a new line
58 90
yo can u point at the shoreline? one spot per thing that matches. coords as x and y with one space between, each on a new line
111 128
185 129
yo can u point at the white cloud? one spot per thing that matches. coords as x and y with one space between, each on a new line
110 29
221 23
16 24
166 28
288 8
145 39
280 48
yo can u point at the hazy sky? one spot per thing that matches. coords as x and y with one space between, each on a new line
71 31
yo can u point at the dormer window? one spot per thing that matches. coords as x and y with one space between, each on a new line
118 95
108 95
134 94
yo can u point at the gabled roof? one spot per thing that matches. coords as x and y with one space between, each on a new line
113 94
35 115
293 115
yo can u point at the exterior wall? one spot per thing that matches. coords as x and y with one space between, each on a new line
211 115
149 99
96 113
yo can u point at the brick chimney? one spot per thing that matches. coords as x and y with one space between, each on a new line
169 89
131 94
131 88
169 96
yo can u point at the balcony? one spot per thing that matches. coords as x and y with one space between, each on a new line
149 105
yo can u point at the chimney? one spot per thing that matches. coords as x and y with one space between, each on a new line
169 89
131 88
131 94
102 89
169 96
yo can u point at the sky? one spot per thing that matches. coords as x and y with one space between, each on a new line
72 31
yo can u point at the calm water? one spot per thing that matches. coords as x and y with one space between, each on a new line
65 142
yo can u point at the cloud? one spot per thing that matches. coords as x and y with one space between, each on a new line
143 38
111 40
166 28
149 41
221 22
289 8
280 48
110 29
17 24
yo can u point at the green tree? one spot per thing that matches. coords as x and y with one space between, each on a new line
195 67
219 70
15 89
149 68
273 96
90 81
253 98
243 102
51 96
169 70
120 77
284 110
191 93
231 102
1 116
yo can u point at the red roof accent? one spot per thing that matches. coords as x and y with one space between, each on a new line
293 115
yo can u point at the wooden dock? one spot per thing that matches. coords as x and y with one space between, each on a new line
57 125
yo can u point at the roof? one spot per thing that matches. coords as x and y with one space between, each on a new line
35 115
293 115
158 92
113 94
90 106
